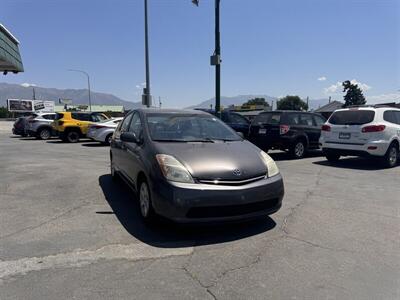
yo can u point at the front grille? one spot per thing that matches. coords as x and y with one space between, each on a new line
231 210
231 182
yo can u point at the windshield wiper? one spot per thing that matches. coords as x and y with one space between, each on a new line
170 141
205 140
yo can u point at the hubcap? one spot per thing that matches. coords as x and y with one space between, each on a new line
393 156
299 149
109 139
45 134
144 200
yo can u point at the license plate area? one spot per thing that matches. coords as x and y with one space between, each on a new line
344 135
262 131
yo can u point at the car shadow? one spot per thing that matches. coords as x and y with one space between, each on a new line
58 141
95 145
166 234
282 155
358 163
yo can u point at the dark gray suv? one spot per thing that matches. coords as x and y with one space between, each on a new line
189 166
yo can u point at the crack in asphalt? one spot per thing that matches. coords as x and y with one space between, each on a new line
309 193
45 222
319 246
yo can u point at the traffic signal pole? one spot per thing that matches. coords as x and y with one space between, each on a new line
217 59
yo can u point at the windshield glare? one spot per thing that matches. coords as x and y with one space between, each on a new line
186 128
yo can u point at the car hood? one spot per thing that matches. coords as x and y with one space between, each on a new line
217 161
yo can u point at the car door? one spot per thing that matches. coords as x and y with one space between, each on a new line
133 150
310 129
118 147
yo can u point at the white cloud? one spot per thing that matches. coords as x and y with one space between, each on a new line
28 84
338 87
383 98
323 78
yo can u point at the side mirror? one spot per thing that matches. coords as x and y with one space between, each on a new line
129 137
240 134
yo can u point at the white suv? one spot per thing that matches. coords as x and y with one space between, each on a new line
363 131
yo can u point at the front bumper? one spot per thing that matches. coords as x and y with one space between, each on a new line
200 203
374 148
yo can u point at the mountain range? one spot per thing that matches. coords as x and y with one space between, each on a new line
80 96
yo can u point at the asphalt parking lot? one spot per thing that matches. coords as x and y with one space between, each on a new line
68 232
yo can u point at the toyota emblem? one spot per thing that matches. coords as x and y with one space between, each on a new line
237 172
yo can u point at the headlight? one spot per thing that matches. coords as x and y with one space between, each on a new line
173 170
270 164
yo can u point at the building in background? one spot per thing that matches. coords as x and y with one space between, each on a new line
110 110
328 109
10 58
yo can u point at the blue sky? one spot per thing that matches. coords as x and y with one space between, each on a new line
273 47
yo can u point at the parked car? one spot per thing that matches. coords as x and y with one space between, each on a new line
292 131
235 120
103 131
39 125
71 126
363 131
19 127
189 166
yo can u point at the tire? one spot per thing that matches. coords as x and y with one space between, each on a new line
44 134
391 157
107 142
298 149
24 135
114 173
145 205
72 136
332 157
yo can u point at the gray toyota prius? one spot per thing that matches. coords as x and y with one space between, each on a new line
188 166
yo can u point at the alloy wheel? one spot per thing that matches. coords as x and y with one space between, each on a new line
299 149
144 199
45 134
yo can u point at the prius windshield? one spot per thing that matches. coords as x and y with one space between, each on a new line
188 128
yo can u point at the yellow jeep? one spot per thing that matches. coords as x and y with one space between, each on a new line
71 126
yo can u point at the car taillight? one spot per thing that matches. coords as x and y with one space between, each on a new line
326 128
373 128
284 129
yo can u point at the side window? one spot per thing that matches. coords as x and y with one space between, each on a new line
319 121
238 119
136 125
48 117
81 116
224 117
293 119
390 116
397 115
306 120
124 125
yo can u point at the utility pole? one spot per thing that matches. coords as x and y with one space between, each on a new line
34 93
308 108
216 57
146 98
88 84
159 102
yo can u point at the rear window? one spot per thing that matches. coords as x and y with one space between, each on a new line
59 116
352 117
268 118
81 116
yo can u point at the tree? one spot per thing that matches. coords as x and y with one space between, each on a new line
354 95
257 101
4 113
292 103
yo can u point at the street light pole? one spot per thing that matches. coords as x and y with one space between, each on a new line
146 91
216 58
88 84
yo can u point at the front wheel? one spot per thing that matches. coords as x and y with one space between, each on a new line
391 157
146 208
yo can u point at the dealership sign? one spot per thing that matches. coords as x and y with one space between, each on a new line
21 105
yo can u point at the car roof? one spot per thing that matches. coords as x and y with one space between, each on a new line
373 108
170 111
290 112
